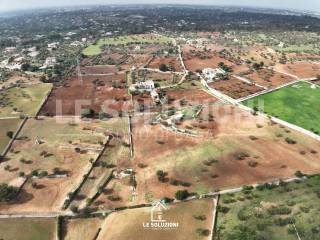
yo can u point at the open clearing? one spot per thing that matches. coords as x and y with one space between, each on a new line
23 100
300 69
50 149
81 228
128 224
27 229
268 212
233 148
297 104
95 49
7 125
235 88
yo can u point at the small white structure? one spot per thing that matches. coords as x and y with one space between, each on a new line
211 74
147 85
53 45
50 62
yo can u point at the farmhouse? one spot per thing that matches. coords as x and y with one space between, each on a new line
211 74
148 85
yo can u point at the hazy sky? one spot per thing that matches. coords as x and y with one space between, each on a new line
314 5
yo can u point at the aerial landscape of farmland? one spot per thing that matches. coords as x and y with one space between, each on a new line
142 122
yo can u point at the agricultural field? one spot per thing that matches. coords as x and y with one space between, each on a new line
100 93
235 88
81 228
268 78
28 229
161 79
231 148
172 63
271 212
297 104
23 100
195 59
7 126
95 48
48 149
191 216
115 156
300 69
14 78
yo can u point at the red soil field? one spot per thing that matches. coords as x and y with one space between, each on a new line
181 157
106 69
300 69
172 62
235 88
195 59
269 78
74 94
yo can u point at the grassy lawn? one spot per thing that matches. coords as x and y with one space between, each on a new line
7 125
23 100
298 104
268 212
95 48
27 229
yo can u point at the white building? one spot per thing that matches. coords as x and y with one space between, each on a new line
148 85
211 74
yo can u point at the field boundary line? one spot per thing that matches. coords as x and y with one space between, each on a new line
284 123
214 216
44 101
6 150
268 90
68 201
243 79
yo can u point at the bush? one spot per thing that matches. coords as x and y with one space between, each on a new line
223 209
10 134
202 232
299 174
87 113
290 140
181 194
7 192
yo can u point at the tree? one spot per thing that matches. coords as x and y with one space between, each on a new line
163 67
182 194
87 113
10 134
7 192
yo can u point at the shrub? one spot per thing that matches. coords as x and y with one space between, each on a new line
202 232
87 113
299 174
290 140
181 194
7 192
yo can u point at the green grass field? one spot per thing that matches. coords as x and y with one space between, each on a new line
95 49
27 229
7 125
298 104
23 100
268 212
